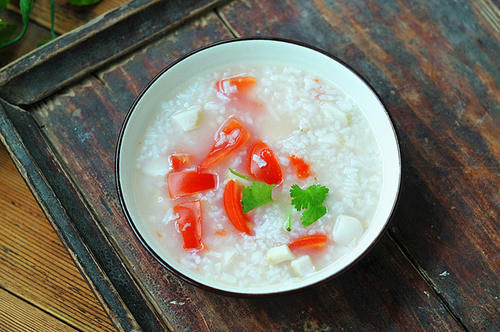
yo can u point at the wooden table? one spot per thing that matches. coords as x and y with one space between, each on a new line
40 287
435 65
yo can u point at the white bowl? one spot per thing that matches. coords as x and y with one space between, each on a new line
255 50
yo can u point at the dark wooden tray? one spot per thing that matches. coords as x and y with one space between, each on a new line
435 65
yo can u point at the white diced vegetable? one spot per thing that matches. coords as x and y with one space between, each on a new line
279 254
302 266
189 119
346 230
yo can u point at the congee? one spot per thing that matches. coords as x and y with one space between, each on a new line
255 174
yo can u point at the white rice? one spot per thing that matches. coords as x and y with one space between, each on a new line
304 115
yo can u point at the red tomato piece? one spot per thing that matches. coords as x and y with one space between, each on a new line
230 136
235 85
185 183
232 205
189 223
263 165
301 167
316 241
179 161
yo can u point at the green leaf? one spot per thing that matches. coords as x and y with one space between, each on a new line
310 200
83 2
52 20
256 195
26 7
6 31
52 30
312 214
303 199
4 4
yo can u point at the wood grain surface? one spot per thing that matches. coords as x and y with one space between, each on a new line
84 139
33 36
81 51
17 315
435 65
86 243
40 287
67 16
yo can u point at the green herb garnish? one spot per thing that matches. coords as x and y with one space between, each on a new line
26 6
288 220
258 194
311 200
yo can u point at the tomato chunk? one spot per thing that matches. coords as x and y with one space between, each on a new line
179 161
189 223
316 241
301 167
230 136
263 165
185 183
235 85
232 205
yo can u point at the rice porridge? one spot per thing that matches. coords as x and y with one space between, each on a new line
254 174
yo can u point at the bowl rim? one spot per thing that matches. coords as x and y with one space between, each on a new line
198 284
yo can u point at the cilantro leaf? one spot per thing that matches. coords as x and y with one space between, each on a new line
310 200
256 195
312 214
303 199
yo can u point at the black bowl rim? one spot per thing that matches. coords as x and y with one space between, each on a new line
238 294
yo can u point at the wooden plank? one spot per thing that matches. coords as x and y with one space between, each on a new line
84 140
33 36
17 315
81 51
38 160
67 17
435 64
35 265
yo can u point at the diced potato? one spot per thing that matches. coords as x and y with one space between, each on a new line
279 254
346 230
302 266
189 119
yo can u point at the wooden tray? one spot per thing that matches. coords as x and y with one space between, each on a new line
435 65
